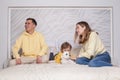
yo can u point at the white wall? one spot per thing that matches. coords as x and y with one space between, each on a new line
88 3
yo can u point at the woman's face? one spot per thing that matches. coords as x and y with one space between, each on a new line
80 29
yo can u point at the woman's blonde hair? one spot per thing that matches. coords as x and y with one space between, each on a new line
85 36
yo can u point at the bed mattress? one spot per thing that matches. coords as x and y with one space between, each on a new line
53 71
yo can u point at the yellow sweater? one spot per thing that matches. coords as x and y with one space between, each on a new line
31 45
58 58
92 47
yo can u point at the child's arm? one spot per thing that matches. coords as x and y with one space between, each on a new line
58 58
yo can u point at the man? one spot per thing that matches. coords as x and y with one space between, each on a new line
31 42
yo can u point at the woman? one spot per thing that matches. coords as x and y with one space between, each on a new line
92 52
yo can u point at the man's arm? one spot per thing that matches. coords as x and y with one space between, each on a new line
15 50
43 50
44 47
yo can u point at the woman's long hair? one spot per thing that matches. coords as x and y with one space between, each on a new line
85 36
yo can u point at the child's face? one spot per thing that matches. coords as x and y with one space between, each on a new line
67 49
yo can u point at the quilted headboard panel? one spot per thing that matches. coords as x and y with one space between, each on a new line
58 24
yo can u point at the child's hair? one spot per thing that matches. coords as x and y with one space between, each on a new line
65 45
85 36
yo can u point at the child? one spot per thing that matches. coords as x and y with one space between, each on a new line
64 47
92 52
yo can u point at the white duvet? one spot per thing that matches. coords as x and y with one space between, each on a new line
53 71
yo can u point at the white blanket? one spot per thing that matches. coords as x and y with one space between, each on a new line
53 71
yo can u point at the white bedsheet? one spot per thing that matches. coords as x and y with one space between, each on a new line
53 71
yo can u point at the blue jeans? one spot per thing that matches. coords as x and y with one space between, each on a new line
98 61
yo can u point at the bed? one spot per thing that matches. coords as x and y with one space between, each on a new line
53 71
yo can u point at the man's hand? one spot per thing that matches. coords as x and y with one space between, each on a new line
18 61
39 60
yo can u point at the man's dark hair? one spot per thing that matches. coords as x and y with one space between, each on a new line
33 20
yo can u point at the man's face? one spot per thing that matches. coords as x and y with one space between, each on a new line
29 26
